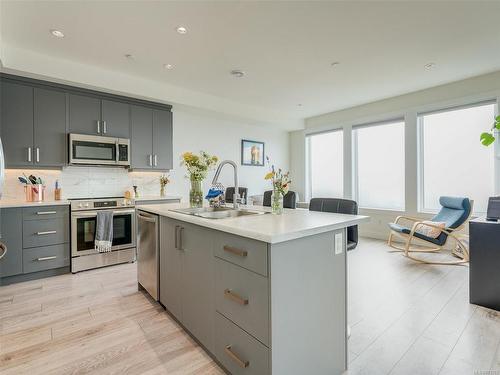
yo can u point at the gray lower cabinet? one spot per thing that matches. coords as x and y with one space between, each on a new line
17 124
170 267
259 308
197 282
151 138
37 239
186 277
238 351
12 236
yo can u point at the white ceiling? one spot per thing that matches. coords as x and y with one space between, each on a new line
285 48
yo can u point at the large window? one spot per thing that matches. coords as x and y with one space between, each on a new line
379 165
452 160
325 165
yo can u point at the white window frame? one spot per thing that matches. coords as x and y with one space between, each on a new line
308 187
355 177
420 148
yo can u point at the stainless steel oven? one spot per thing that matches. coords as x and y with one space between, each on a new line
83 227
98 150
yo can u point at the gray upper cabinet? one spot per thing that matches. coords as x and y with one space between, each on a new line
12 236
141 137
49 128
115 117
36 117
84 114
162 139
17 124
151 138
91 115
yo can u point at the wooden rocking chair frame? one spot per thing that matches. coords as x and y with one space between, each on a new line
410 238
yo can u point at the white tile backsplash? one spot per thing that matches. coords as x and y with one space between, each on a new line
83 182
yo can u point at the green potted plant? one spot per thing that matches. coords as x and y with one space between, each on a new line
487 138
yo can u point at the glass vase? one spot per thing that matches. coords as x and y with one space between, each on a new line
276 203
162 191
196 194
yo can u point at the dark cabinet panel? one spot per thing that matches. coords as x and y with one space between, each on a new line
50 128
115 119
162 139
84 114
17 124
141 137
12 236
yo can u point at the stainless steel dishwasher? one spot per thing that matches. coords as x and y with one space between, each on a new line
148 252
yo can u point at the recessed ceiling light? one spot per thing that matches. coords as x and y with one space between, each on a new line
181 30
299 105
57 33
237 73
128 56
335 63
168 66
429 65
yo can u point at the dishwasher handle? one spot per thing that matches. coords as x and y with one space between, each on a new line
146 218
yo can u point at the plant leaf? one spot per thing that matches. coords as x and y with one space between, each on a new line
497 119
487 139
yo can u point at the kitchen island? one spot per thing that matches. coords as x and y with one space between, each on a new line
263 294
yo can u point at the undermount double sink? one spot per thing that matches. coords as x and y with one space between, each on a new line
218 212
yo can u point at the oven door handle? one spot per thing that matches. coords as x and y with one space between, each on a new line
94 213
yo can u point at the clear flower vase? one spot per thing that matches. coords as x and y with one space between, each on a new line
196 194
276 203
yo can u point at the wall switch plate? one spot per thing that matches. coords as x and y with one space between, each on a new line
339 244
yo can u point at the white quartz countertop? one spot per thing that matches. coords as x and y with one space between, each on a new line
268 228
12 203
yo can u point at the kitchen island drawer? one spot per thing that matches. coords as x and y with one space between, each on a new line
239 352
46 212
243 297
45 258
245 252
45 232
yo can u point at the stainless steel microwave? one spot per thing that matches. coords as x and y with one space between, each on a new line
98 150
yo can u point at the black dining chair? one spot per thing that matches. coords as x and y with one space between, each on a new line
242 191
289 200
339 206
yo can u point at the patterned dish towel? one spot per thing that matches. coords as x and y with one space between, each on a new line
104 231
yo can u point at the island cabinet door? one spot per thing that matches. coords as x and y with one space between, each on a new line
170 267
197 290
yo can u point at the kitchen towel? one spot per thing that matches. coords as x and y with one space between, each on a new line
104 231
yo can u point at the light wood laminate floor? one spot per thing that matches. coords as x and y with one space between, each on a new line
406 318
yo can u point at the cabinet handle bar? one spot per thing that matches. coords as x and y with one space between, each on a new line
46 232
235 358
235 251
228 293
46 258
46 213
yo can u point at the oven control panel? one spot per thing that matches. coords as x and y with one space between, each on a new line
100 204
